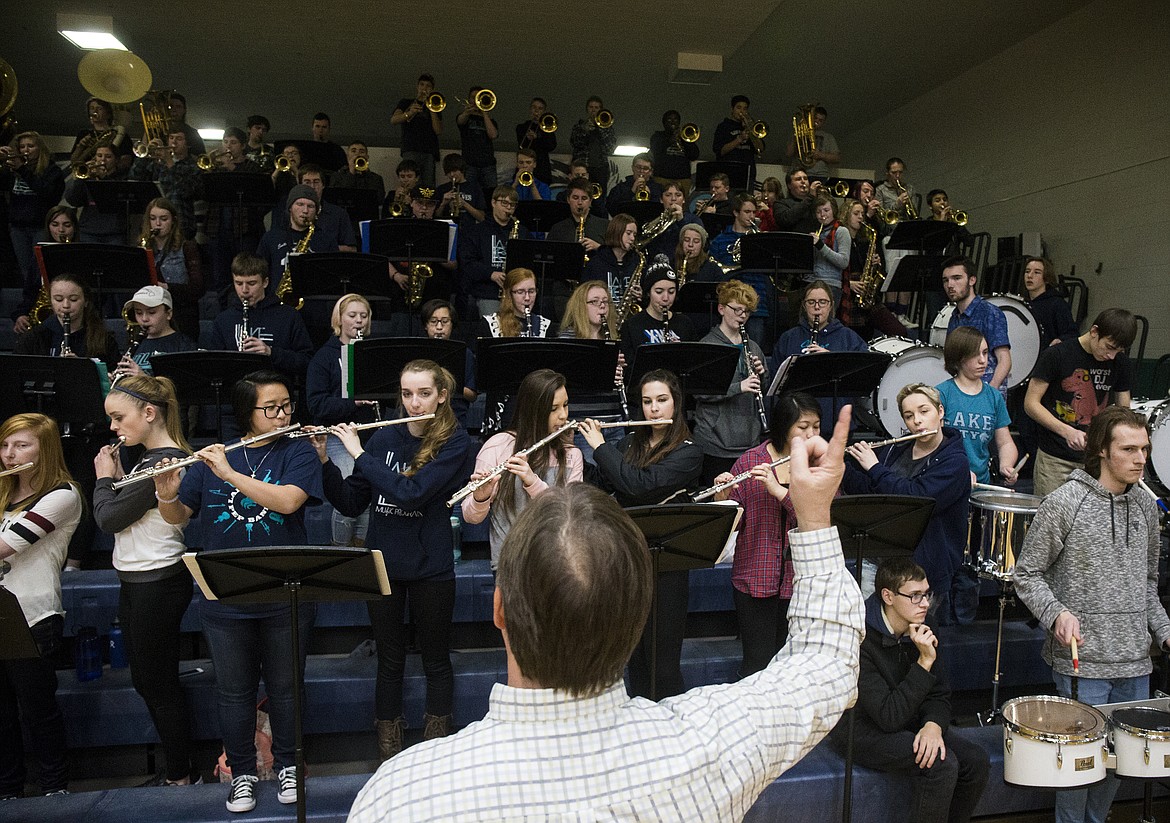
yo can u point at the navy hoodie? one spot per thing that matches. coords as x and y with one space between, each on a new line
278 325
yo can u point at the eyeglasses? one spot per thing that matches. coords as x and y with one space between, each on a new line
439 321
917 597
273 412
522 292
817 303
738 311
504 201
601 301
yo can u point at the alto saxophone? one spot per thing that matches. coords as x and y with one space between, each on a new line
284 289
629 306
581 235
872 275
419 273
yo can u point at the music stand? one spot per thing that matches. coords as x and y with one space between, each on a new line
122 196
541 215
68 389
643 211
411 241
373 370
929 238
290 573
108 269
198 374
359 204
701 368
587 365
876 526
332 274
715 223
698 298
785 255
832 374
564 260
681 537
736 172
238 189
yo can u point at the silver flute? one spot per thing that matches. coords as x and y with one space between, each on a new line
151 472
318 430
500 468
727 484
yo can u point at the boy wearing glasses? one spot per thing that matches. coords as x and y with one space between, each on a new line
483 251
903 711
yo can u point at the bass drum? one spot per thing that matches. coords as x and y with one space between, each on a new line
1157 414
1023 333
913 362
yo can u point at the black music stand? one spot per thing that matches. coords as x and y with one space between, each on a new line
701 368
562 260
411 241
681 537
736 172
876 526
199 375
68 389
359 204
914 273
541 215
832 374
643 211
504 362
238 189
715 223
290 574
784 255
372 373
698 298
124 197
334 273
108 269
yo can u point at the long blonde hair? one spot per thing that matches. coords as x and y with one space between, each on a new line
509 325
444 424
577 311
143 390
49 471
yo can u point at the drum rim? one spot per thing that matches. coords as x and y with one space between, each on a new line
980 495
1138 731
1055 737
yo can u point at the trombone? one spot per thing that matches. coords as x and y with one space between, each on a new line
435 102
283 164
603 119
547 124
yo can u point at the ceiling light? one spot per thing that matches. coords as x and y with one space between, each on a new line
211 134
94 40
630 151
89 31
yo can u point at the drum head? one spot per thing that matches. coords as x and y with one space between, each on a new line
938 329
1054 719
1001 502
915 364
1143 719
1157 414
1023 333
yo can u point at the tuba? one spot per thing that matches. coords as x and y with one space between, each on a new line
804 134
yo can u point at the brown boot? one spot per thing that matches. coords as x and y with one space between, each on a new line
436 726
390 737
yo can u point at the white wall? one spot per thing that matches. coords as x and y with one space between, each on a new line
1066 133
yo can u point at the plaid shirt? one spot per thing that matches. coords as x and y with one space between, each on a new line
759 568
990 321
705 755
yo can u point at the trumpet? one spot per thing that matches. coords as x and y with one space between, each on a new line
525 178
320 430
595 191
88 169
484 100
17 469
207 162
435 102
548 123
642 195
283 164
151 472
500 468
689 133
603 119
838 189
959 218
361 165
911 212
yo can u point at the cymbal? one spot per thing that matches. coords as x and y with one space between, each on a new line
114 75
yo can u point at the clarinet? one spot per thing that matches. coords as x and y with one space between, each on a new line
621 383
66 351
527 322
747 361
243 325
666 326
131 348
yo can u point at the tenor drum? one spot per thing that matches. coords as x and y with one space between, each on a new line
1141 741
1023 334
1157 414
1003 519
913 362
1053 742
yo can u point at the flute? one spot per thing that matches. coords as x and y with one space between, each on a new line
726 484
153 471
621 423
500 468
317 430
17 469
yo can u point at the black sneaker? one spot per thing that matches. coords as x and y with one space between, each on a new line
243 794
287 778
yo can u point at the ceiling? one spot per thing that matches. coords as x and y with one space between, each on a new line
355 61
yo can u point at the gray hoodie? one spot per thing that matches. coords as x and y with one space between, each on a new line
1095 554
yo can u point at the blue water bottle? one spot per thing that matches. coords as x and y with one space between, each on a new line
457 537
89 654
117 647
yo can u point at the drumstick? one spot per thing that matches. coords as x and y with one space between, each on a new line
1076 667
1020 465
1159 502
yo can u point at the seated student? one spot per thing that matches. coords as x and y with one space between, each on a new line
438 322
656 323
397 202
150 308
526 165
630 189
719 201
470 206
303 208
902 720
978 411
579 171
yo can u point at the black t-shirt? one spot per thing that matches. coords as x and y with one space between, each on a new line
1078 388
417 134
643 329
478 149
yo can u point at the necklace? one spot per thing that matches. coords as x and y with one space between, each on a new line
262 459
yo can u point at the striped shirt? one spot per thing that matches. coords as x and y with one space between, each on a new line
705 755
39 535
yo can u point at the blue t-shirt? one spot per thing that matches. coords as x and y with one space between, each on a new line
977 417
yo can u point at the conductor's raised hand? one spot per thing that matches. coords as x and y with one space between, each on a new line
816 469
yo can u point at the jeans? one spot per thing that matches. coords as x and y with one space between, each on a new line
28 693
484 177
1091 804
151 615
247 642
763 629
432 608
345 529
673 592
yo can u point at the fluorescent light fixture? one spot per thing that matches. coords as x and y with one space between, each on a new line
211 134
89 31
630 151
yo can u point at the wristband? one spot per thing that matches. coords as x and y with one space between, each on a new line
174 499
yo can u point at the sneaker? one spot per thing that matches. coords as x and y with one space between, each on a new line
242 797
57 793
287 778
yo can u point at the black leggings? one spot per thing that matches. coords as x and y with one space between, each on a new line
763 628
28 693
151 614
432 607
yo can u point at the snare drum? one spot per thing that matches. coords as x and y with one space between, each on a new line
1023 334
1003 519
1157 414
1141 741
1053 742
913 362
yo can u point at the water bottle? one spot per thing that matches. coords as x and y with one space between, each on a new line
117 647
457 537
89 654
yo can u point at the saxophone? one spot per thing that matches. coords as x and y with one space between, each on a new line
284 289
581 235
629 306
515 232
419 273
872 275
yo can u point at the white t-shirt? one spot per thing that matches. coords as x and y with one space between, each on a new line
40 536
